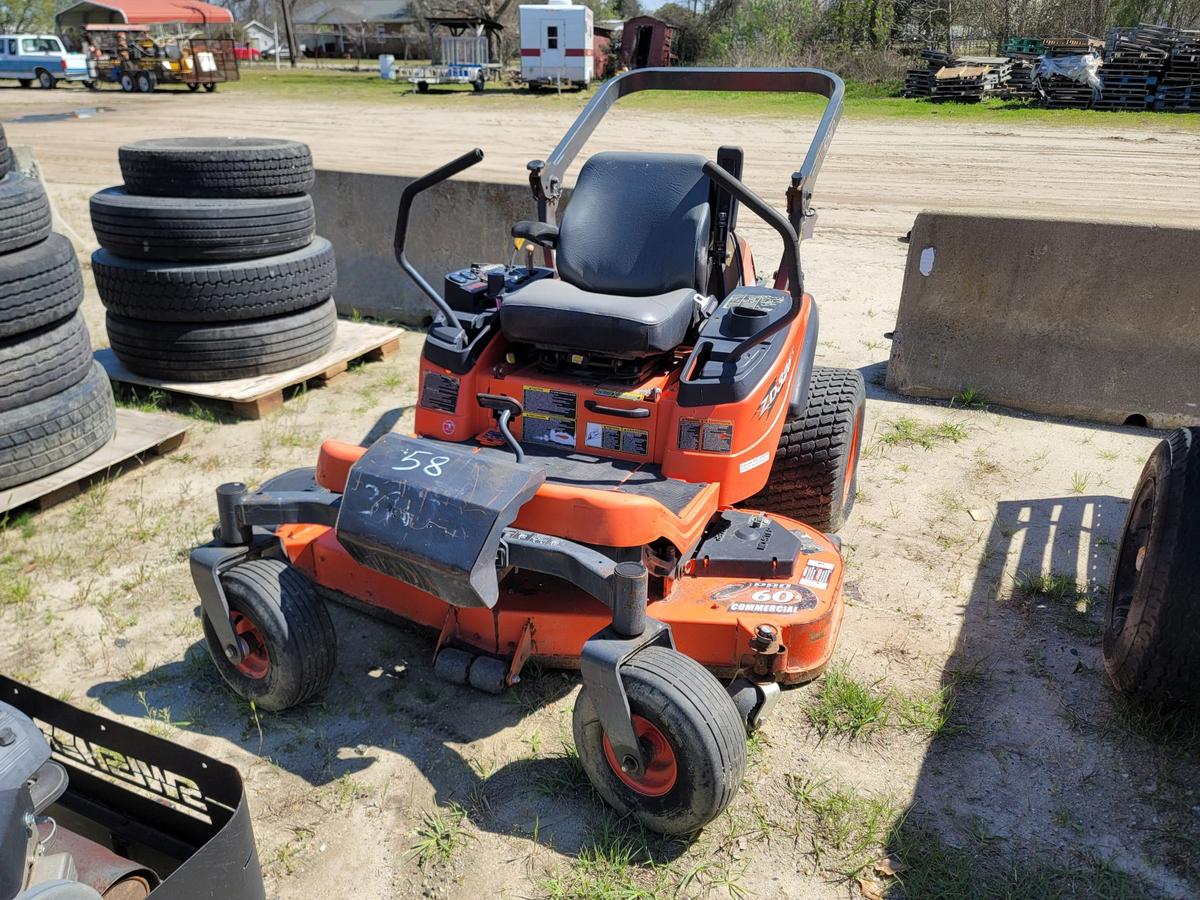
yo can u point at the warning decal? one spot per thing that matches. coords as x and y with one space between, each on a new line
710 435
549 416
817 574
633 441
439 392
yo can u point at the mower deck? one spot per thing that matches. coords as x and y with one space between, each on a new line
713 619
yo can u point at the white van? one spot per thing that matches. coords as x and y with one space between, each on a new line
41 58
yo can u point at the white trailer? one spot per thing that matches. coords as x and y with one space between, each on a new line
556 44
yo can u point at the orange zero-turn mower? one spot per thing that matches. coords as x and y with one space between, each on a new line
624 461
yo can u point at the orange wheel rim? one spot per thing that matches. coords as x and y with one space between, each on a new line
852 457
256 663
661 768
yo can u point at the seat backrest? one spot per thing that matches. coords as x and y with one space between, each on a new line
637 224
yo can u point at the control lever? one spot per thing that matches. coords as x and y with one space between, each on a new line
506 409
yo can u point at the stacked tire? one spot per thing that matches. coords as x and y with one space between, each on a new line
209 265
56 405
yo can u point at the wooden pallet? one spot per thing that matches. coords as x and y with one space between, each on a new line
260 395
138 434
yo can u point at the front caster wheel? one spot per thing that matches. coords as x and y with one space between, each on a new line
692 737
285 630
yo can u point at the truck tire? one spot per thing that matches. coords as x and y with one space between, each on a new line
44 362
169 228
45 80
24 211
217 167
216 292
1152 616
187 351
5 154
814 473
38 285
44 437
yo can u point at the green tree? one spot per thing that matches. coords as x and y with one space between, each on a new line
27 16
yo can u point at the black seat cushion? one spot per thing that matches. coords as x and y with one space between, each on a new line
637 224
555 314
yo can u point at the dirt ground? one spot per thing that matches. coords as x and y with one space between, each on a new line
968 729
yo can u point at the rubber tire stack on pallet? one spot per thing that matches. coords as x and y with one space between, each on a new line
56 405
209 265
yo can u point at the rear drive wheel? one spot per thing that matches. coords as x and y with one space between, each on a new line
45 80
285 632
1151 629
814 476
691 735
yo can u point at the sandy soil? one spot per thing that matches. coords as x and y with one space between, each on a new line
1037 767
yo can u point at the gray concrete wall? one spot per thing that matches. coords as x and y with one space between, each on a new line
452 225
1091 320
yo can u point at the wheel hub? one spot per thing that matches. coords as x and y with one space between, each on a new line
661 770
256 663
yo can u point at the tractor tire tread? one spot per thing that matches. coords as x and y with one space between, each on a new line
44 362
46 436
214 351
805 478
24 211
216 292
39 284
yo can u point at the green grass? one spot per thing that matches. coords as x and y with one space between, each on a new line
617 863
863 100
847 828
846 706
906 431
441 833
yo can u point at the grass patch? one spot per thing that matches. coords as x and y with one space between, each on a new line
441 833
617 863
909 432
847 829
863 100
846 706
969 398
937 871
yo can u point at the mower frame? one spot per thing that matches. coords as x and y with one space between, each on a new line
620 586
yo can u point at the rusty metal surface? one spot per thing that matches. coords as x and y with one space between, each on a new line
113 876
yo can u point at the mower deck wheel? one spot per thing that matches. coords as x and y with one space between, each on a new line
691 734
1151 630
286 634
453 665
814 475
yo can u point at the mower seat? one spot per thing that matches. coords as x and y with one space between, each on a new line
632 257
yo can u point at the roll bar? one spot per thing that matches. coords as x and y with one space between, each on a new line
546 177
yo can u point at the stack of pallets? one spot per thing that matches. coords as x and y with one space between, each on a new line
1179 90
1023 46
969 83
1065 93
919 82
1134 62
1020 77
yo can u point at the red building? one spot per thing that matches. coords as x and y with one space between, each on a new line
646 43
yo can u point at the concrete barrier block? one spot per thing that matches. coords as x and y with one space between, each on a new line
1092 320
452 225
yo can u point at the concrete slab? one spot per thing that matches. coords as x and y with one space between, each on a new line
1098 321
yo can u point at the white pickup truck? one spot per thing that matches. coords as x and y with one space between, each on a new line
41 58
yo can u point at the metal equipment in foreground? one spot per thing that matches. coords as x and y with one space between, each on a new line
91 809
633 468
